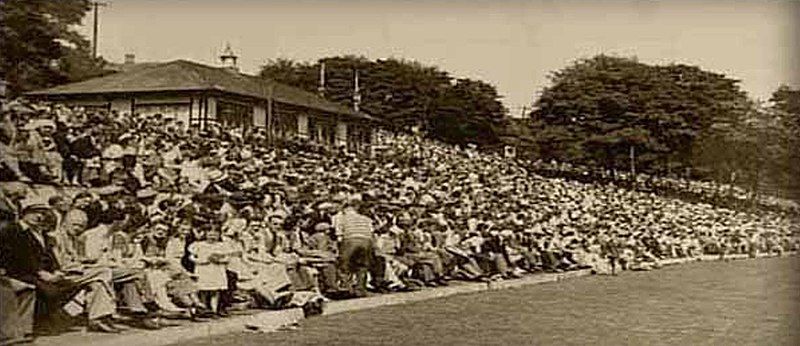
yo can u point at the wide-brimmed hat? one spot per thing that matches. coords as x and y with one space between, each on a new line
146 193
113 152
322 227
110 190
216 176
48 216
39 123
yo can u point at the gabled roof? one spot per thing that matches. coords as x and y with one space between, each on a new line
183 75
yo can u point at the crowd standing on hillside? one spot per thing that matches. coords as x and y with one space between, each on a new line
124 220
698 191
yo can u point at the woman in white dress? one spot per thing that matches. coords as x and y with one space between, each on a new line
209 256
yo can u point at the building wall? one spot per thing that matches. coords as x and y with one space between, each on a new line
302 125
259 116
341 133
211 110
121 106
177 108
192 111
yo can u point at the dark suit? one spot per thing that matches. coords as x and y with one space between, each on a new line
23 256
17 304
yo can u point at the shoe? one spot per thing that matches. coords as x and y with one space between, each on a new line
415 283
512 275
115 324
175 315
149 323
408 289
196 315
166 323
102 327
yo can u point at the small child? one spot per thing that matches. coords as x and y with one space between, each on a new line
209 256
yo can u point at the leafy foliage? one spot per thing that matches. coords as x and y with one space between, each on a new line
405 93
38 45
678 118
598 108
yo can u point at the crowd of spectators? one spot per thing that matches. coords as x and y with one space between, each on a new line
726 195
126 220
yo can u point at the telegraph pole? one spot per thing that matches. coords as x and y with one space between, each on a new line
356 93
95 4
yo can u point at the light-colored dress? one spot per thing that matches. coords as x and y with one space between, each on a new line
210 276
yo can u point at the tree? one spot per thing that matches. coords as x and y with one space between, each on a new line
38 45
784 140
468 112
405 93
289 72
596 109
786 101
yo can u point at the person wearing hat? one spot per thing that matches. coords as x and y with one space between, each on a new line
32 160
17 301
82 148
11 194
387 267
319 250
27 256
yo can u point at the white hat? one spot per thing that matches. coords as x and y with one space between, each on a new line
113 152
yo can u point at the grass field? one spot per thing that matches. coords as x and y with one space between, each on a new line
706 303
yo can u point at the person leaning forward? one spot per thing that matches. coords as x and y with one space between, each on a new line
27 257
355 245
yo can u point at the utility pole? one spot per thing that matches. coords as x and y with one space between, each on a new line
95 4
356 93
321 88
633 162
269 112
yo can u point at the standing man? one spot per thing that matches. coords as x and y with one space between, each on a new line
610 247
355 244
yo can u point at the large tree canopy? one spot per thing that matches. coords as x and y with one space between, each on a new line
405 93
780 140
597 109
39 46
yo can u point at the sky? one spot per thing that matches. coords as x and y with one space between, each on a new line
513 45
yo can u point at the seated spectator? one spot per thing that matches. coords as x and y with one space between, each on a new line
29 258
17 304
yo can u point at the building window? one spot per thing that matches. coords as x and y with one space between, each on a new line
285 125
231 114
177 111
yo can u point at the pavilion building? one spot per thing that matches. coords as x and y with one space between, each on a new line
199 95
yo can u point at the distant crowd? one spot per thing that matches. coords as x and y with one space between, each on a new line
719 194
117 220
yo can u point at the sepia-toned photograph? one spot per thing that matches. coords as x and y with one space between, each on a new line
353 172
